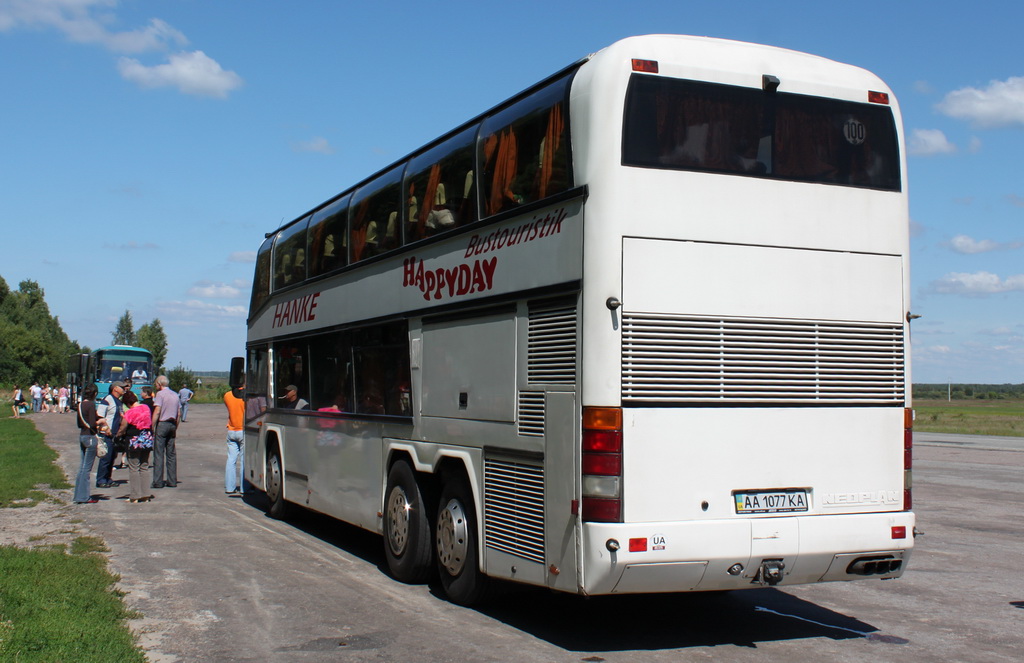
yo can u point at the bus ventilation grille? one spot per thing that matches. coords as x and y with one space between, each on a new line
678 360
551 348
531 413
514 508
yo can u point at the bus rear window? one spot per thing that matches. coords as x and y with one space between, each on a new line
678 124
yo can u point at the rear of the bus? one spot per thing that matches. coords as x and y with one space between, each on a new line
745 362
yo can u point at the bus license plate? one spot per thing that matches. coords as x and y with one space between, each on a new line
771 501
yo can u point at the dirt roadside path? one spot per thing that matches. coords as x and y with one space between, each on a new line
147 541
217 580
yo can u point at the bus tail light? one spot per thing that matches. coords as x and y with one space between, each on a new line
646 66
602 464
878 97
908 459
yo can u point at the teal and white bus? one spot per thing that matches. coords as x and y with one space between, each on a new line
643 327
114 363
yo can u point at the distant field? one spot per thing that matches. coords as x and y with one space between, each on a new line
970 417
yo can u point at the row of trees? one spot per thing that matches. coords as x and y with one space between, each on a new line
34 347
964 391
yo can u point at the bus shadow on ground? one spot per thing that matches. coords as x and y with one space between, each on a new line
625 622
671 621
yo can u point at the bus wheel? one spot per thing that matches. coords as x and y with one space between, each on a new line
275 485
456 539
406 526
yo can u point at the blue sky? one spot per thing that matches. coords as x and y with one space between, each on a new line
147 146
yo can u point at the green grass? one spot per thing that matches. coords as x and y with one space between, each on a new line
60 607
26 462
971 417
54 606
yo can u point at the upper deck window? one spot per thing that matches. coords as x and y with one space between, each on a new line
686 125
524 150
328 238
374 216
440 188
290 255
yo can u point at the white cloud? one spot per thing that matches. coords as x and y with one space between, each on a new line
87 22
1000 104
195 313
968 245
243 257
929 142
978 283
214 290
317 144
192 73
999 331
965 244
90 21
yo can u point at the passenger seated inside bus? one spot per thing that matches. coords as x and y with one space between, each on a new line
287 274
439 217
291 400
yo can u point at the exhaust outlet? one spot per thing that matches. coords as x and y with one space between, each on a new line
878 565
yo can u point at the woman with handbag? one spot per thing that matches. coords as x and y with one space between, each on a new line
88 426
136 428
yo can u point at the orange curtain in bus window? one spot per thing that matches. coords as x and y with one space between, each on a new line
359 230
552 141
428 199
504 169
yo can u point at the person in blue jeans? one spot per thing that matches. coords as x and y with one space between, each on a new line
234 470
184 396
87 441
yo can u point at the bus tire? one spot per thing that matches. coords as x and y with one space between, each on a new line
275 485
407 544
456 540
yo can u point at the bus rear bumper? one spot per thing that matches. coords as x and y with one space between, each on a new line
624 558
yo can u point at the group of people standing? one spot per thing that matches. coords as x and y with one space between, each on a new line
148 428
43 399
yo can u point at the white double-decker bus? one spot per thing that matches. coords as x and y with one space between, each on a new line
641 328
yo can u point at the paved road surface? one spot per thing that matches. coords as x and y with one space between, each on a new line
219 581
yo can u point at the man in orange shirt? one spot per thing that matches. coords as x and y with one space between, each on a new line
234 471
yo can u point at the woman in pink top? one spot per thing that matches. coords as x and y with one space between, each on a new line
136 426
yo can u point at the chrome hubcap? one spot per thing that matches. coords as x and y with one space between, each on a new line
273 477
398 521
452 539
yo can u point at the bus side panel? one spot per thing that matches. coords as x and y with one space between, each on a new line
560 488
331 465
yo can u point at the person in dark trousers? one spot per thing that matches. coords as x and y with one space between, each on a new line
165 428
110 410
